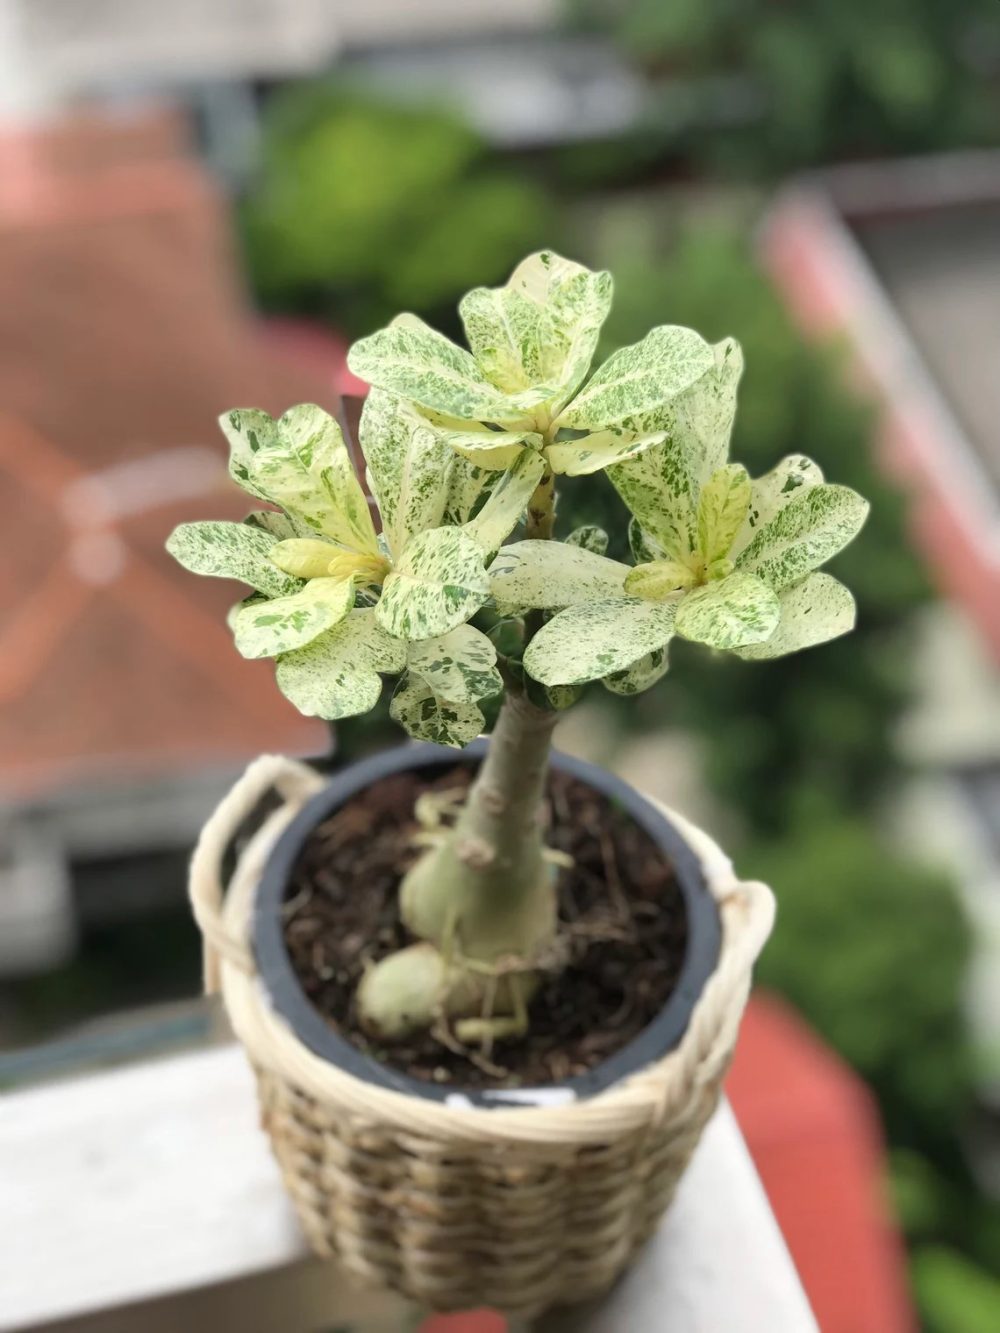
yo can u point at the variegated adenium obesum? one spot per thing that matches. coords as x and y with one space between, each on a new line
721 560
458 444
336 604
521 386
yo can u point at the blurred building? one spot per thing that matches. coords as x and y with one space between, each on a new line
901 260
124 332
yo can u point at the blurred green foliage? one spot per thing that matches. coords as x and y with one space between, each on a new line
822 80
810 733
955 1295
363 208
872 950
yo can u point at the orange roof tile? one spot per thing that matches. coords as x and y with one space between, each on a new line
123 333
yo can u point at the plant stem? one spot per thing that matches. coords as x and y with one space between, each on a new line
487 889
542 510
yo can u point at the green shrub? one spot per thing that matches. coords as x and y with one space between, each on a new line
955 1295
825 80
872 949
364 206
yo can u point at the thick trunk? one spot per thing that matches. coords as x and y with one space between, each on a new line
487 890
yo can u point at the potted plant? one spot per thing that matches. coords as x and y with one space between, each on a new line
491 993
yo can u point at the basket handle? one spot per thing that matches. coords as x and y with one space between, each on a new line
293 781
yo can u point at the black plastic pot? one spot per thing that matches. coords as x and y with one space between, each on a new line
659 1037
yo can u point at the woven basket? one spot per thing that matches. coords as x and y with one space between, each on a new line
453 1206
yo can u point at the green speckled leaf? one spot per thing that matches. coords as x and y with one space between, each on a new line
661 487
730 613
493 450
543 575
413 361
506 503
593 453
590 537
459 667
439 582
658 580
467 484
247 430
541 328
281 526
408 468
722 509
641 675
597 639
230 551
772 492
305 467
282 624
337 675
813 611
425 717
807 532
645 549
634 387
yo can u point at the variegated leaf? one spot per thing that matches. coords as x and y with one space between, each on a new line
337 674
645 549
494 450
507 502
633 389
658 580
597 639
279 525
306 557
425 717
701 420
641 675
590 537
661 487
543 575
560 696
722 509
467 483
307 470
247 430
602 449
230 551
408 468
413 361
541 328
729 613
282 624
772 492
807 532
459 667
438 582
656 488
813 611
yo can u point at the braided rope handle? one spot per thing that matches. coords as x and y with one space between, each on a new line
223 936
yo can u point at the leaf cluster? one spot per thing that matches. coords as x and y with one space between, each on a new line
460 444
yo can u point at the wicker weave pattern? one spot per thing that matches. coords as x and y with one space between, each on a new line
456 1229
453 1206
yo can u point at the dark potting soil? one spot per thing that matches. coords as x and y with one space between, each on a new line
622 923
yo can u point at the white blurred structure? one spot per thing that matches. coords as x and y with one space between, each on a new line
52 51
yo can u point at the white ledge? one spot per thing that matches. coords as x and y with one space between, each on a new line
147 1198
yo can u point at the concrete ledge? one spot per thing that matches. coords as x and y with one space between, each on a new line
147 1198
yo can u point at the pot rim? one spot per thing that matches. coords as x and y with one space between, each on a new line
657 1039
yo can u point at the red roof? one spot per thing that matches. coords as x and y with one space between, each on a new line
123 334
813 1131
